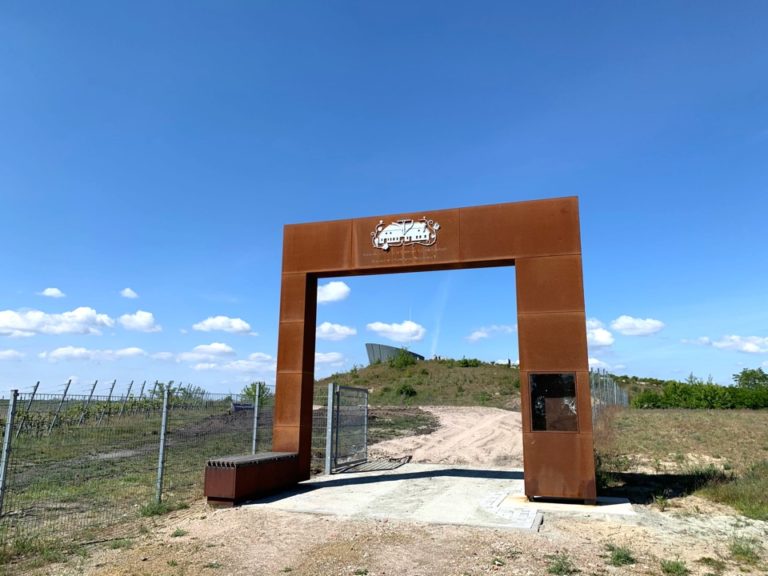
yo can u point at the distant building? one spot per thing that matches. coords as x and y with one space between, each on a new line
382 353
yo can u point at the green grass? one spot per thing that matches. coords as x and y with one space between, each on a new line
715 565
561 565
747 493
689 451
160 508
121 544
435 382
620 556
745 550
33 552
653 434
674 568
178 533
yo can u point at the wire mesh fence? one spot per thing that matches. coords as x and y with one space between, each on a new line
606 393
81 466
85 467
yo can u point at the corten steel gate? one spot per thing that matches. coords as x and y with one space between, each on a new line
540 238
347 428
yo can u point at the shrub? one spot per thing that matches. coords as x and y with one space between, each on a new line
561 565
402 359
620 556
406 390
674 568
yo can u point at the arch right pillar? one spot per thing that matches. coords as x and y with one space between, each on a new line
554 378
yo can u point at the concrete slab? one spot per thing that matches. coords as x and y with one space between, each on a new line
605 505
432 494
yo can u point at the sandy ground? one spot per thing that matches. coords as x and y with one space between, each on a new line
255 541
468 436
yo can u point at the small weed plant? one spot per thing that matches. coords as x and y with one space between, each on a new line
715 565
620 556
674 568
121 544
561 565
745 550
178 533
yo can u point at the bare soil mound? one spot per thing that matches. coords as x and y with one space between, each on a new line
467 436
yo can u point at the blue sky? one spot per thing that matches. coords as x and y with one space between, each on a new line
162 146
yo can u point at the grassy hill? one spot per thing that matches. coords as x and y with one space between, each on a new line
465 382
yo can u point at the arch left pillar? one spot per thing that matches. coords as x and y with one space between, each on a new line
292 424
323 248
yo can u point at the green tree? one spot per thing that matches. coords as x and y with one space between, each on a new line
402 359
751 378
266 396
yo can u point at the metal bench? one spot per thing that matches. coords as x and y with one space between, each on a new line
230 480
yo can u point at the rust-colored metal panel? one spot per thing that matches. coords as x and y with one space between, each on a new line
234 479
443 250
549 284
554 342
285 438
559 465
293 292
293 351
285 412
522 229
317 247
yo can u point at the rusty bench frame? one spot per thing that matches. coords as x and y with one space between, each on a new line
230 480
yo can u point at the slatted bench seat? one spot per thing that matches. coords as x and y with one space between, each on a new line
230 480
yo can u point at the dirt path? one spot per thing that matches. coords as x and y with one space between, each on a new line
468 436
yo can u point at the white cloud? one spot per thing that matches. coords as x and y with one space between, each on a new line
748 344
597 363
141 321
629 326
703 341
334 332
52 293
10 355
332 358
128 293
488 331
223 324
81 320
257 362
407 331
162 356
213 352
131 352
332 292
80 353
597 335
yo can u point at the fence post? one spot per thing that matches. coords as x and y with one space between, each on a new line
4 462
58 409
108 402
255 439
127 394
161 455
141 395
329 428
87 403
29 405
365 427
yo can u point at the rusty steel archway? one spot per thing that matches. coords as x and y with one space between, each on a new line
541 239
